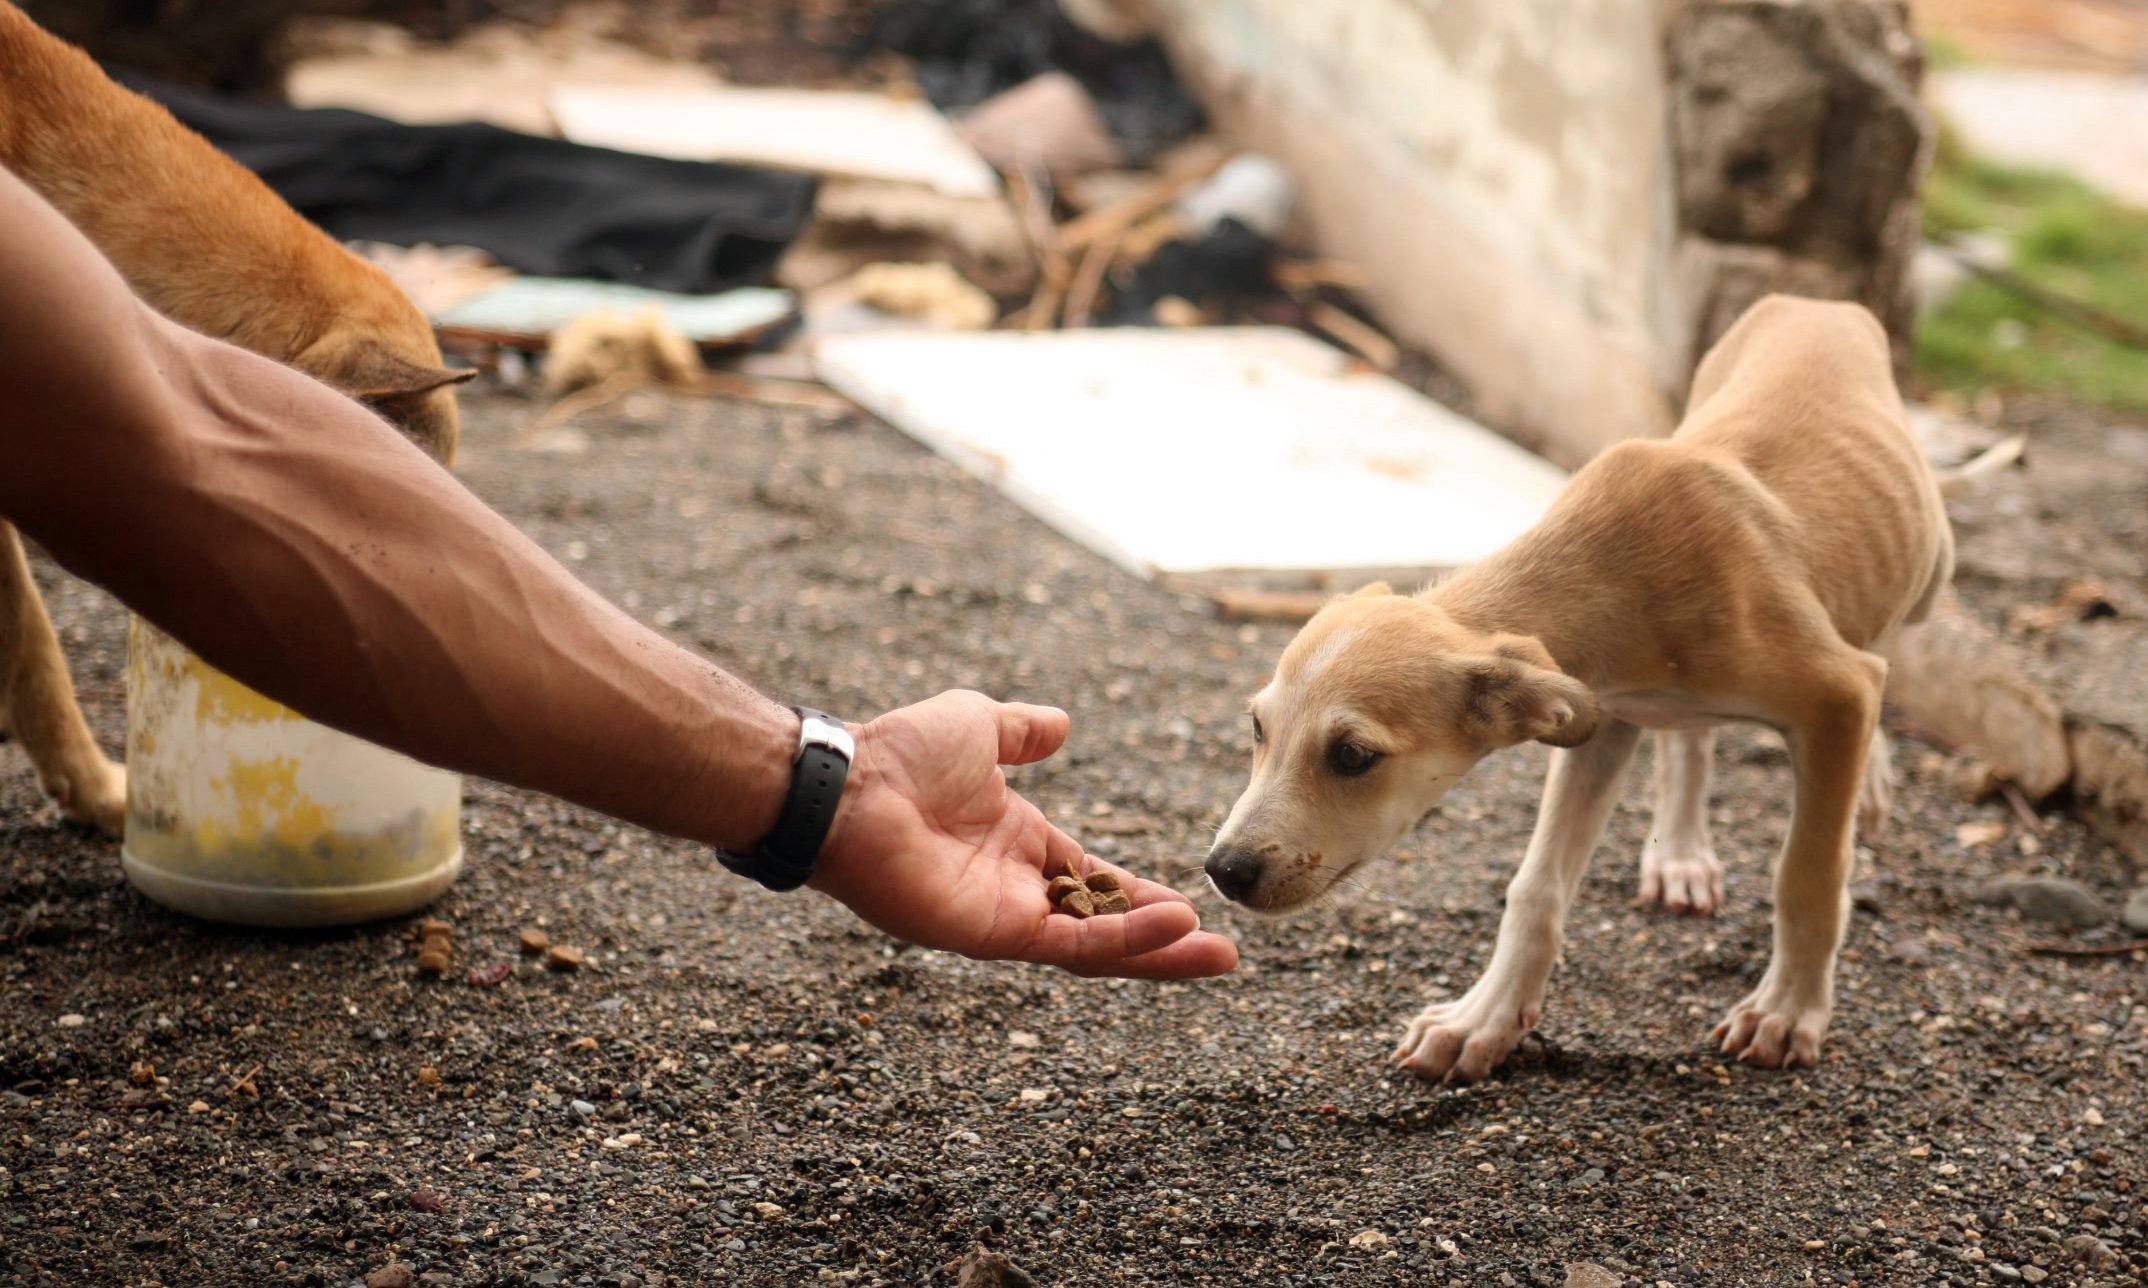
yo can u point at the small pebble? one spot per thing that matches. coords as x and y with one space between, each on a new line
393 1275
2136 913
426 1201
491 975
2052 900
73 1021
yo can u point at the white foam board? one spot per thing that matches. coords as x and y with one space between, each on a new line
1175 452
868 136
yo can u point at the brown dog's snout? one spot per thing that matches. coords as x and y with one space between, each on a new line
1234 871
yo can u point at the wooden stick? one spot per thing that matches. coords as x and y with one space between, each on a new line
2079 312
1042 311
1287 606
2020 804
1089 279
2088 950
1120 215
609 389
765 389
1358 337
1310 274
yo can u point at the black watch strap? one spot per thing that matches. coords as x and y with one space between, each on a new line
785 858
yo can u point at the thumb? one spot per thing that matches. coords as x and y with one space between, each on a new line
1028 734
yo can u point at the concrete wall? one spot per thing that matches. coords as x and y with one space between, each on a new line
1562 199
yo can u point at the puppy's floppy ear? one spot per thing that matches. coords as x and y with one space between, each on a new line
1518 694
1371 588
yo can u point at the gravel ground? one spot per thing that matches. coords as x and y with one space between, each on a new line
750 1089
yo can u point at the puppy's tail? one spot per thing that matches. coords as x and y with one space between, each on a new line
1965 477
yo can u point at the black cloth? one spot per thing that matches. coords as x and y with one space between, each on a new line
965 51
538 205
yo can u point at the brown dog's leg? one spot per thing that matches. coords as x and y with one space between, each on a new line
1784 1020
1678 864
37 702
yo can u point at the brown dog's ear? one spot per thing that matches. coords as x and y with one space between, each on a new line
1372 588
375 372
1519 695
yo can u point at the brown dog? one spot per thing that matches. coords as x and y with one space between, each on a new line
208 245
1744 569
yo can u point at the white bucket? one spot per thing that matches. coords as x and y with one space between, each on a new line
239 809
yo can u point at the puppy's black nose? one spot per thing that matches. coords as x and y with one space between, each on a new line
1235 872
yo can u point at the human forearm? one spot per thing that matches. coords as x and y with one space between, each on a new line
293 540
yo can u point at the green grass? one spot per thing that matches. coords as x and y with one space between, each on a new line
2066 237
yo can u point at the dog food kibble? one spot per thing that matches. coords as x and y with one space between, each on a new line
1096 895
561 957
436 946
535 941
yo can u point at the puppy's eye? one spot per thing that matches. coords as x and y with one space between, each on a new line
1260 735
1349 759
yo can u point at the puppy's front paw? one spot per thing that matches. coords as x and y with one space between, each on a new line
1681 878
1464 1040
1777 1026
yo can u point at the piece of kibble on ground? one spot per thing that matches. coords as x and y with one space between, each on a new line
432 962
535 941
562 957
1095 895
432 926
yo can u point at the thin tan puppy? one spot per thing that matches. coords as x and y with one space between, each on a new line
1743 569
208 245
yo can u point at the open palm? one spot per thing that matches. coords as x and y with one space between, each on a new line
932 846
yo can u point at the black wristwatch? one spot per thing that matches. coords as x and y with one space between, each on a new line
785 858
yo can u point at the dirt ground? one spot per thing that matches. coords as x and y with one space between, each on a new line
753 1089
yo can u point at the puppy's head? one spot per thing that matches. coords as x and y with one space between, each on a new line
1377 707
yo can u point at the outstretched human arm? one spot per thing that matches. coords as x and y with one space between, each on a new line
293 540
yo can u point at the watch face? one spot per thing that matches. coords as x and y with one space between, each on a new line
821 731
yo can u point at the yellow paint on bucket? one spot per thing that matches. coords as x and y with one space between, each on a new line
240 809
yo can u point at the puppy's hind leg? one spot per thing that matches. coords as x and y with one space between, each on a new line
37 703
1829 728
1875 792
1678 865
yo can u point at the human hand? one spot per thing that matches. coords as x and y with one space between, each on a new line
932 846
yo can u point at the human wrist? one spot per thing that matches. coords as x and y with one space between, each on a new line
831 873
789 852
